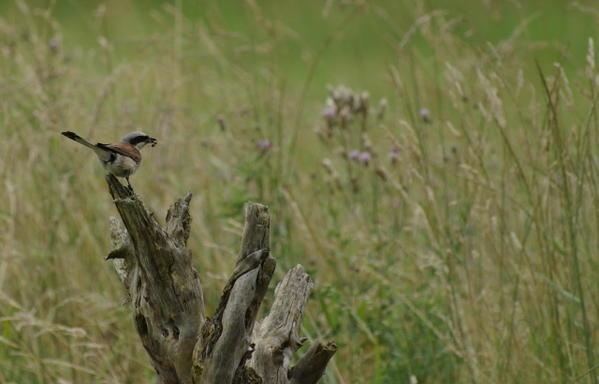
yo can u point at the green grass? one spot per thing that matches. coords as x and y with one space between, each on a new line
471 257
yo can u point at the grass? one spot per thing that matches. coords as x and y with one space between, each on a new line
452 229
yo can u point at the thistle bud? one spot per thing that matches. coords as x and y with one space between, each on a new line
381 109
425 115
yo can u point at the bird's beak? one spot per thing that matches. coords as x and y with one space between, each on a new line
153 141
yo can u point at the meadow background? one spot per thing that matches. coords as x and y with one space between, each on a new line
450 217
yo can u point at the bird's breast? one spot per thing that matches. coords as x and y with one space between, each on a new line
121 166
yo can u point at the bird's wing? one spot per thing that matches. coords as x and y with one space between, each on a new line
122 149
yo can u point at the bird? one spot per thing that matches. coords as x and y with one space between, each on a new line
119 159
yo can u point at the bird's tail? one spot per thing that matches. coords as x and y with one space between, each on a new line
79 139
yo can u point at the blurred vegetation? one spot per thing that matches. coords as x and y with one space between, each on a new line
445 199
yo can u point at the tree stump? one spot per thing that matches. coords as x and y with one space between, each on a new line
165 294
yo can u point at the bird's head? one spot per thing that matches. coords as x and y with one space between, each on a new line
139 139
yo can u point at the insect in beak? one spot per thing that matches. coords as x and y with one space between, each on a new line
153 141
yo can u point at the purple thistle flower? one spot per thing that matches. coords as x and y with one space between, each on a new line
354 155
54 44
264 145
329 112
394 155
364 158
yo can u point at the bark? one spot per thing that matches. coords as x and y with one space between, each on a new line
164 291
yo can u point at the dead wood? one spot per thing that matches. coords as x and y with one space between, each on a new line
165 294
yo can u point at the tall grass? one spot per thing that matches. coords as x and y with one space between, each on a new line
451 222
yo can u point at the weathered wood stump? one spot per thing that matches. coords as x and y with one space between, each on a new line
165 294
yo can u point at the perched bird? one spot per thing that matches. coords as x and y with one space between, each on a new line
119 159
